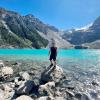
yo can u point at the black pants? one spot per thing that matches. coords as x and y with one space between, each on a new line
53 57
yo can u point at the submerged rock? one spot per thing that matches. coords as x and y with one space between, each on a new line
95 82
78 95
94 94
86 96
83 96
70 93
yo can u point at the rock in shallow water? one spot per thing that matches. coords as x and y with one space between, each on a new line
95 82
83 96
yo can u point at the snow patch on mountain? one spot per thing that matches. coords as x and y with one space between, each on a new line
85 28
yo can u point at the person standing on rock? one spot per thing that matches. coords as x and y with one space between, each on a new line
53 53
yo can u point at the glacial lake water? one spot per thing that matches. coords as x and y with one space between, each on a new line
83 58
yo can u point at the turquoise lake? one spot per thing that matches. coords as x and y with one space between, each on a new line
64 58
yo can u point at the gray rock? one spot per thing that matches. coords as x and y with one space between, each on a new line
45 98
24 97
24 75
36 81
1 94
25 87
1 64
7 91
78 95
10 95
6 72
94 94
54 74
86 96
58 93
47 89
70 93
95 82
18 81
83 96
60 98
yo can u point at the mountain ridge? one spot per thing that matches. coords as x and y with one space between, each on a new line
29 29
82 37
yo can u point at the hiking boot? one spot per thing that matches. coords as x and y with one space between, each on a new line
51 65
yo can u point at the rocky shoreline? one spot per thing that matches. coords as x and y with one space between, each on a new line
22 80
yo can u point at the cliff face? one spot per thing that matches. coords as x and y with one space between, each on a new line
26 31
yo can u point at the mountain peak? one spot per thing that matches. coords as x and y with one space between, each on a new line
30 16
97 20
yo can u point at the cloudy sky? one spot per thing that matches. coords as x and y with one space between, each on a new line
63 14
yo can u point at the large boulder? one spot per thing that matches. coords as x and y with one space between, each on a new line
6 71
52 74
24 97
7 91
25 87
